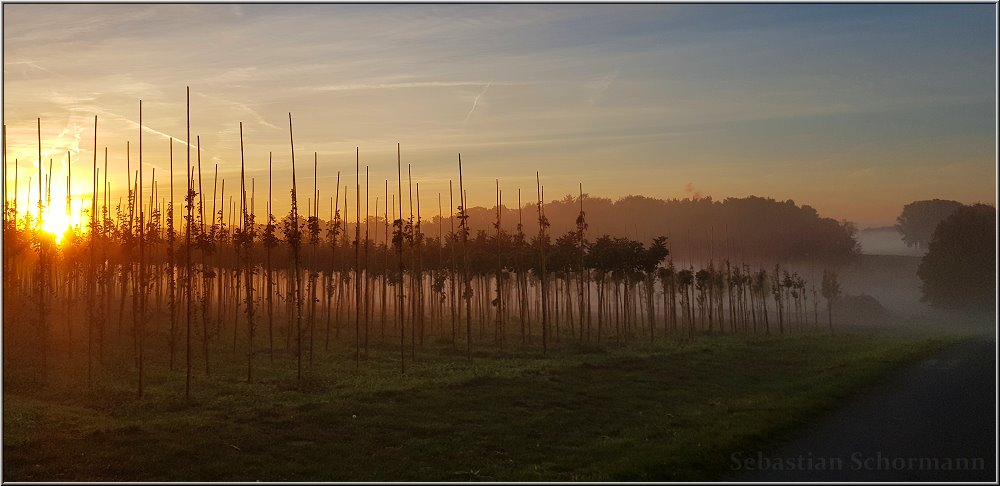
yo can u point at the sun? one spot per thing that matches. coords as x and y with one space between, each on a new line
57 223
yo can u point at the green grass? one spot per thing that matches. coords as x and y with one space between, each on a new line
666 412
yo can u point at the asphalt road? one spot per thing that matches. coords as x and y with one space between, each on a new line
932 421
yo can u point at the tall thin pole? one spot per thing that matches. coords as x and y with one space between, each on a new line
104 204
418 241
313 274
584 272
466 284
16 177
207 279
357 257
171 262
215 187
398 239
500 322
69 186
42 262
523 290
542 222
295 253
246 244
48 186
270 277
187 250
366 271
91 278
451 270
336 220
440 261
413 271
5 197
140 323
40 194
385 266
201 193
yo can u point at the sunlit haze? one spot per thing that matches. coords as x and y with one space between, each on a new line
853 109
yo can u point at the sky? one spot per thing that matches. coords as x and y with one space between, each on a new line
853 109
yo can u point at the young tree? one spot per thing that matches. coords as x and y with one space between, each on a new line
312 226
702 280
463 227
685 280
189 219
333 229
831 292
581 233
499 274
776 291
357 257
648 264
397 241
143 281
543 223
244 240
667 276
294 238
91 275
270 242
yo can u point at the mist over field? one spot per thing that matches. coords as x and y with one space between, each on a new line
885 240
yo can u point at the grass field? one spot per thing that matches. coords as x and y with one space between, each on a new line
664 412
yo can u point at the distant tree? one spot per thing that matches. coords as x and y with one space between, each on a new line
702 280
649 263
601 258
757 228
831 292
919 218
668 276
959 268
685 279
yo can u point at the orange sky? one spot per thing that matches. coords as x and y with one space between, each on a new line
853 109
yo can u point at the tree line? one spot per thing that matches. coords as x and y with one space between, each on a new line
223 281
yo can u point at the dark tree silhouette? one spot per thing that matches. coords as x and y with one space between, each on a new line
919 218
649 263
959 268
760 230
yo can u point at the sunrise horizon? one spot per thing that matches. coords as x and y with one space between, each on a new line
624 125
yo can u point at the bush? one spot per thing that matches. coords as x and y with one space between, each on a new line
958 271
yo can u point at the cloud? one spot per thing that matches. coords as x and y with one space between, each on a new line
241 107
31 64
146 128
406 85
475 102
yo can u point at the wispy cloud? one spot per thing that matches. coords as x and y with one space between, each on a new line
135 124
405 85
475 102
243 108
31 64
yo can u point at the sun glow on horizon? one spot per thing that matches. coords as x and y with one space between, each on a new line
58 223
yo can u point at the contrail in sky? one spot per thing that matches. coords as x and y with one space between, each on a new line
476 101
